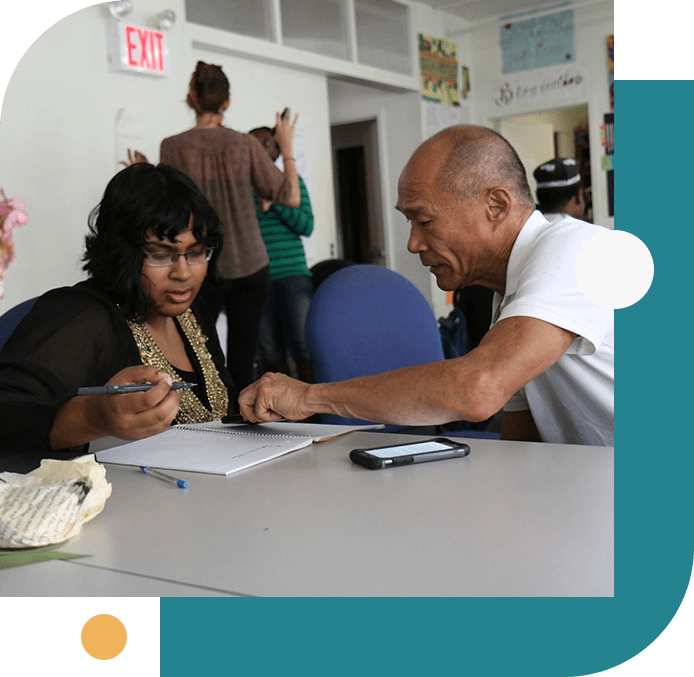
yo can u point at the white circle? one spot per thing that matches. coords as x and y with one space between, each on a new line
614 269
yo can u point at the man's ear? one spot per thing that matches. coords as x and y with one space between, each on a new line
498 203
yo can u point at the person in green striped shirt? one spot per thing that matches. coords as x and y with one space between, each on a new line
283 325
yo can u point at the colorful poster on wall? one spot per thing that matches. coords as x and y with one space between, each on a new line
438 70
607 140
535 43
610 67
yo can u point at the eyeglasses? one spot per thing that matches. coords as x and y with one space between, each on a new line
193 258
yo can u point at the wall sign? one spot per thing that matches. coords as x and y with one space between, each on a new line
137 49
535 43
541 87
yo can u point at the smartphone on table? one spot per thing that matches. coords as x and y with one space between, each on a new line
435 449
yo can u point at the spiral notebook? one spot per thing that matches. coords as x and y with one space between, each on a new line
221 449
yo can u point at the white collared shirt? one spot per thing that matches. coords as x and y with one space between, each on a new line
554 217
573 401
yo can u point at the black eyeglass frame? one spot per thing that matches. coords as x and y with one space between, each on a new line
174 256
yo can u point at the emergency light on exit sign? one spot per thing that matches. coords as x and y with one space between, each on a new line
136 49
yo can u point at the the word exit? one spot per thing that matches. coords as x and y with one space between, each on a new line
137 49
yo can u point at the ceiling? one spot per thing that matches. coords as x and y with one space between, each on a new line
478 10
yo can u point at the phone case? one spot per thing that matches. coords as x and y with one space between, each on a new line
369 462
362 456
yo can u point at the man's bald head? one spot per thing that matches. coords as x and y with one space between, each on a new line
473 159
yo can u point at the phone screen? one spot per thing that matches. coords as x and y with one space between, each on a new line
408 449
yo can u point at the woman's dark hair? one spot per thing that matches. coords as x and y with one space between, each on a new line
139 199
209 88
276 152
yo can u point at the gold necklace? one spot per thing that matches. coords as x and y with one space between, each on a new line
191 409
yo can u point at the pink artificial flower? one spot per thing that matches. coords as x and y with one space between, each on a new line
16 217
12 214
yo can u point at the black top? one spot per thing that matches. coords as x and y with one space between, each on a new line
74 337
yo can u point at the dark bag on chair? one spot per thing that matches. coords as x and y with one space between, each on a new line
454 339
453 331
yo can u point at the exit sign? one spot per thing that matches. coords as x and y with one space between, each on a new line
139 50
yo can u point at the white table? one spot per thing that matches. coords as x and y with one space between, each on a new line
76 578
511 519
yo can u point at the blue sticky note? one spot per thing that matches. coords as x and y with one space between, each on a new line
537 42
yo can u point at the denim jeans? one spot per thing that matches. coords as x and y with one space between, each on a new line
284 320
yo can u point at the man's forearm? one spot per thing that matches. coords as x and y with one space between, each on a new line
469 388
427 394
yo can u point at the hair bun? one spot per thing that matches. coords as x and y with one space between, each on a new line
207 69
209 88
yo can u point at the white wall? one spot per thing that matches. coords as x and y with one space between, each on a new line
57 146
57 135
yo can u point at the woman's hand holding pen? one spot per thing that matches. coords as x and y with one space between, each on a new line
138 415
129 416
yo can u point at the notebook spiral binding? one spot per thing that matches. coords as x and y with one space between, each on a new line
232 431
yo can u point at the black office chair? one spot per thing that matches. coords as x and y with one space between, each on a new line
322 270
10 319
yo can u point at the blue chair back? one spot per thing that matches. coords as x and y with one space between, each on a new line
365 319
10 319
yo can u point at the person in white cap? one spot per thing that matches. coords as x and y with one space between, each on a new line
559 191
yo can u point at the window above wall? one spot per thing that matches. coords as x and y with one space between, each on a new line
369 33
247 17
383 35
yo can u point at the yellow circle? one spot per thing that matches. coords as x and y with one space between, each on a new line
103 637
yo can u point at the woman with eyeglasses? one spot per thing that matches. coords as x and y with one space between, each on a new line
136 319
228 166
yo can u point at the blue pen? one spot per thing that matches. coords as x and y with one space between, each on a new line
163 476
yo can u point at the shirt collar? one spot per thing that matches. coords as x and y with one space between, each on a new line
522 247
520 251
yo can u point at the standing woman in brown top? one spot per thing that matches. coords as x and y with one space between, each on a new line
227 167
